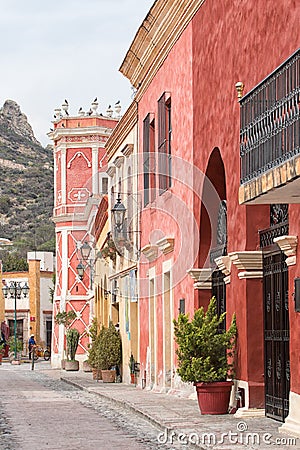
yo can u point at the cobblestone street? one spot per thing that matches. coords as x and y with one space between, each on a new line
38 412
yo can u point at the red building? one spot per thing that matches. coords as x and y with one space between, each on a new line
190 63
80 182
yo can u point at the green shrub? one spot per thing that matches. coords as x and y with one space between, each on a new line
106 351
203 350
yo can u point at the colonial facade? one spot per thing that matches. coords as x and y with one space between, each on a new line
33 311
80 183
207 93
125 234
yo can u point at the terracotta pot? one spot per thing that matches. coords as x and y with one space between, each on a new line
213 398
72 365
108 376
63 364
97 375
86 367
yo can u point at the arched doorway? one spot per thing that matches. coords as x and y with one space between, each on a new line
213 226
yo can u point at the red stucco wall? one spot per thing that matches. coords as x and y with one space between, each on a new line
227 42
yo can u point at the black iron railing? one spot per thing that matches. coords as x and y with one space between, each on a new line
270 121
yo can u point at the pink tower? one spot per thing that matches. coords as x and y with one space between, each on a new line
80 181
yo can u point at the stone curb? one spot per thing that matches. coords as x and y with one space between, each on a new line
130 407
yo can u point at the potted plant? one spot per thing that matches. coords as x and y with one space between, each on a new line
132 369
15 348
72 336
205 354
65 318
93 331
2 347
107 352
94 356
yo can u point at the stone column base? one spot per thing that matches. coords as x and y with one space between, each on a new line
292 422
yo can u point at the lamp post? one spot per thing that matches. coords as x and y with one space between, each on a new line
119 212
15 289
85 261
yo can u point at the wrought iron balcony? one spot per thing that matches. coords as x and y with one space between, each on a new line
270 121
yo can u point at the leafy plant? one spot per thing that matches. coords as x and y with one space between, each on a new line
15 346
72 336
93 330
106 349
52 288
132 364
65 318
203 350
109 250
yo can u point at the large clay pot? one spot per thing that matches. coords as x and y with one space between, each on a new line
213 398
86 367
108 376
71 365
97 374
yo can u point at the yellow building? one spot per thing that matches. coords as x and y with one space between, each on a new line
33 311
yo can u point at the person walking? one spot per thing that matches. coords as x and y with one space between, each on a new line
31 344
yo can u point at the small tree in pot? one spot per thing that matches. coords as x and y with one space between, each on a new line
72 336
65 318
204 353
110 351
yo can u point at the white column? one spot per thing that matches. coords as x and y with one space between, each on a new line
95 170
63 175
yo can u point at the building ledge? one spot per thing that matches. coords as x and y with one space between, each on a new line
278 185
150 251
166 244
202 277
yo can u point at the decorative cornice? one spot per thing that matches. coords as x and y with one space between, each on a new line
247 260
166 244
157 35
126 125
118 161
288 245
224 264
150 251
249 263
127 150
111 170
202 277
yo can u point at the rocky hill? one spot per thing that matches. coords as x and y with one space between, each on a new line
26 186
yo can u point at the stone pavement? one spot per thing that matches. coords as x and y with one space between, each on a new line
179 418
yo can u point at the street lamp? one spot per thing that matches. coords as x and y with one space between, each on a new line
119 212
15 289
86 261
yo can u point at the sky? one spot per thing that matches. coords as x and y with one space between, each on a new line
65 49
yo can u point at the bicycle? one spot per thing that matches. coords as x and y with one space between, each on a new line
40 352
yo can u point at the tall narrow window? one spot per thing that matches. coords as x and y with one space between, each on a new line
146 163
164 143
152 160
149 159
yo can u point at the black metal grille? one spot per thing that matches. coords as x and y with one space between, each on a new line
270 121
219 291
279 225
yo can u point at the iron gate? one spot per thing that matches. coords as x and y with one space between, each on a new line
276 335
276 316
219 291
